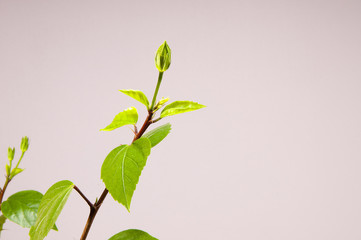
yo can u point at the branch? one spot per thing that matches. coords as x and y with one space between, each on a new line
95 207
84 197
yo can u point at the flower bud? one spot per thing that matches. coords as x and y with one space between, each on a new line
24 144
11 153
163 57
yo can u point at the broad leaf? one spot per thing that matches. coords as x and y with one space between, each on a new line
128 116
22 208
180 107
122 168
137 95
158 134
132 234
50 207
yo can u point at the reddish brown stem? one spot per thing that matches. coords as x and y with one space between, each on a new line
84 197
4 189
97 204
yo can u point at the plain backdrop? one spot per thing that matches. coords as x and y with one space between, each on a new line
276 155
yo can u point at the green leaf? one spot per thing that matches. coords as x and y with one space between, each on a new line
122 168
180 107
22 208
160 104
15 172
158 134
132 234
50 207
7 168
137 95
128 116
2 222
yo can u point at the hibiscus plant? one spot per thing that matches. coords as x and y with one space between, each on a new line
120 170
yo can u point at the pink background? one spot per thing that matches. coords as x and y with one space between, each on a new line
276 155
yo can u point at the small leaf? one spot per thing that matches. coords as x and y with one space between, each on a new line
128 116
2 222
15 172
7 168
122 167
180 107
22 208
160 104
50 208
137 95
158 134
132 234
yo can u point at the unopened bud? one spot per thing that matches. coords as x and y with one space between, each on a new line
163 57
11 153
24 144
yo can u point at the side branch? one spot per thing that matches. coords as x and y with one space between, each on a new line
84 197
146 124
95 207
4 189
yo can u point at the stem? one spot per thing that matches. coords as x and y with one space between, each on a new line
97 204
84 197
8 179
22 155
156 120
146 124
160 76
3 189
93 213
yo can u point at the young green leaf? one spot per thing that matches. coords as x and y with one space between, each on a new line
180 107
15 172
132 234
2 222
122 167
128 116
49 209
7 169
22 208
160 104
158 134
137 95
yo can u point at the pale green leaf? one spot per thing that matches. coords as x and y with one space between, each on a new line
122 168
50 208
180 107
127 117
15 172
137 95
158 134
7 169
160 104
22 208
132 234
